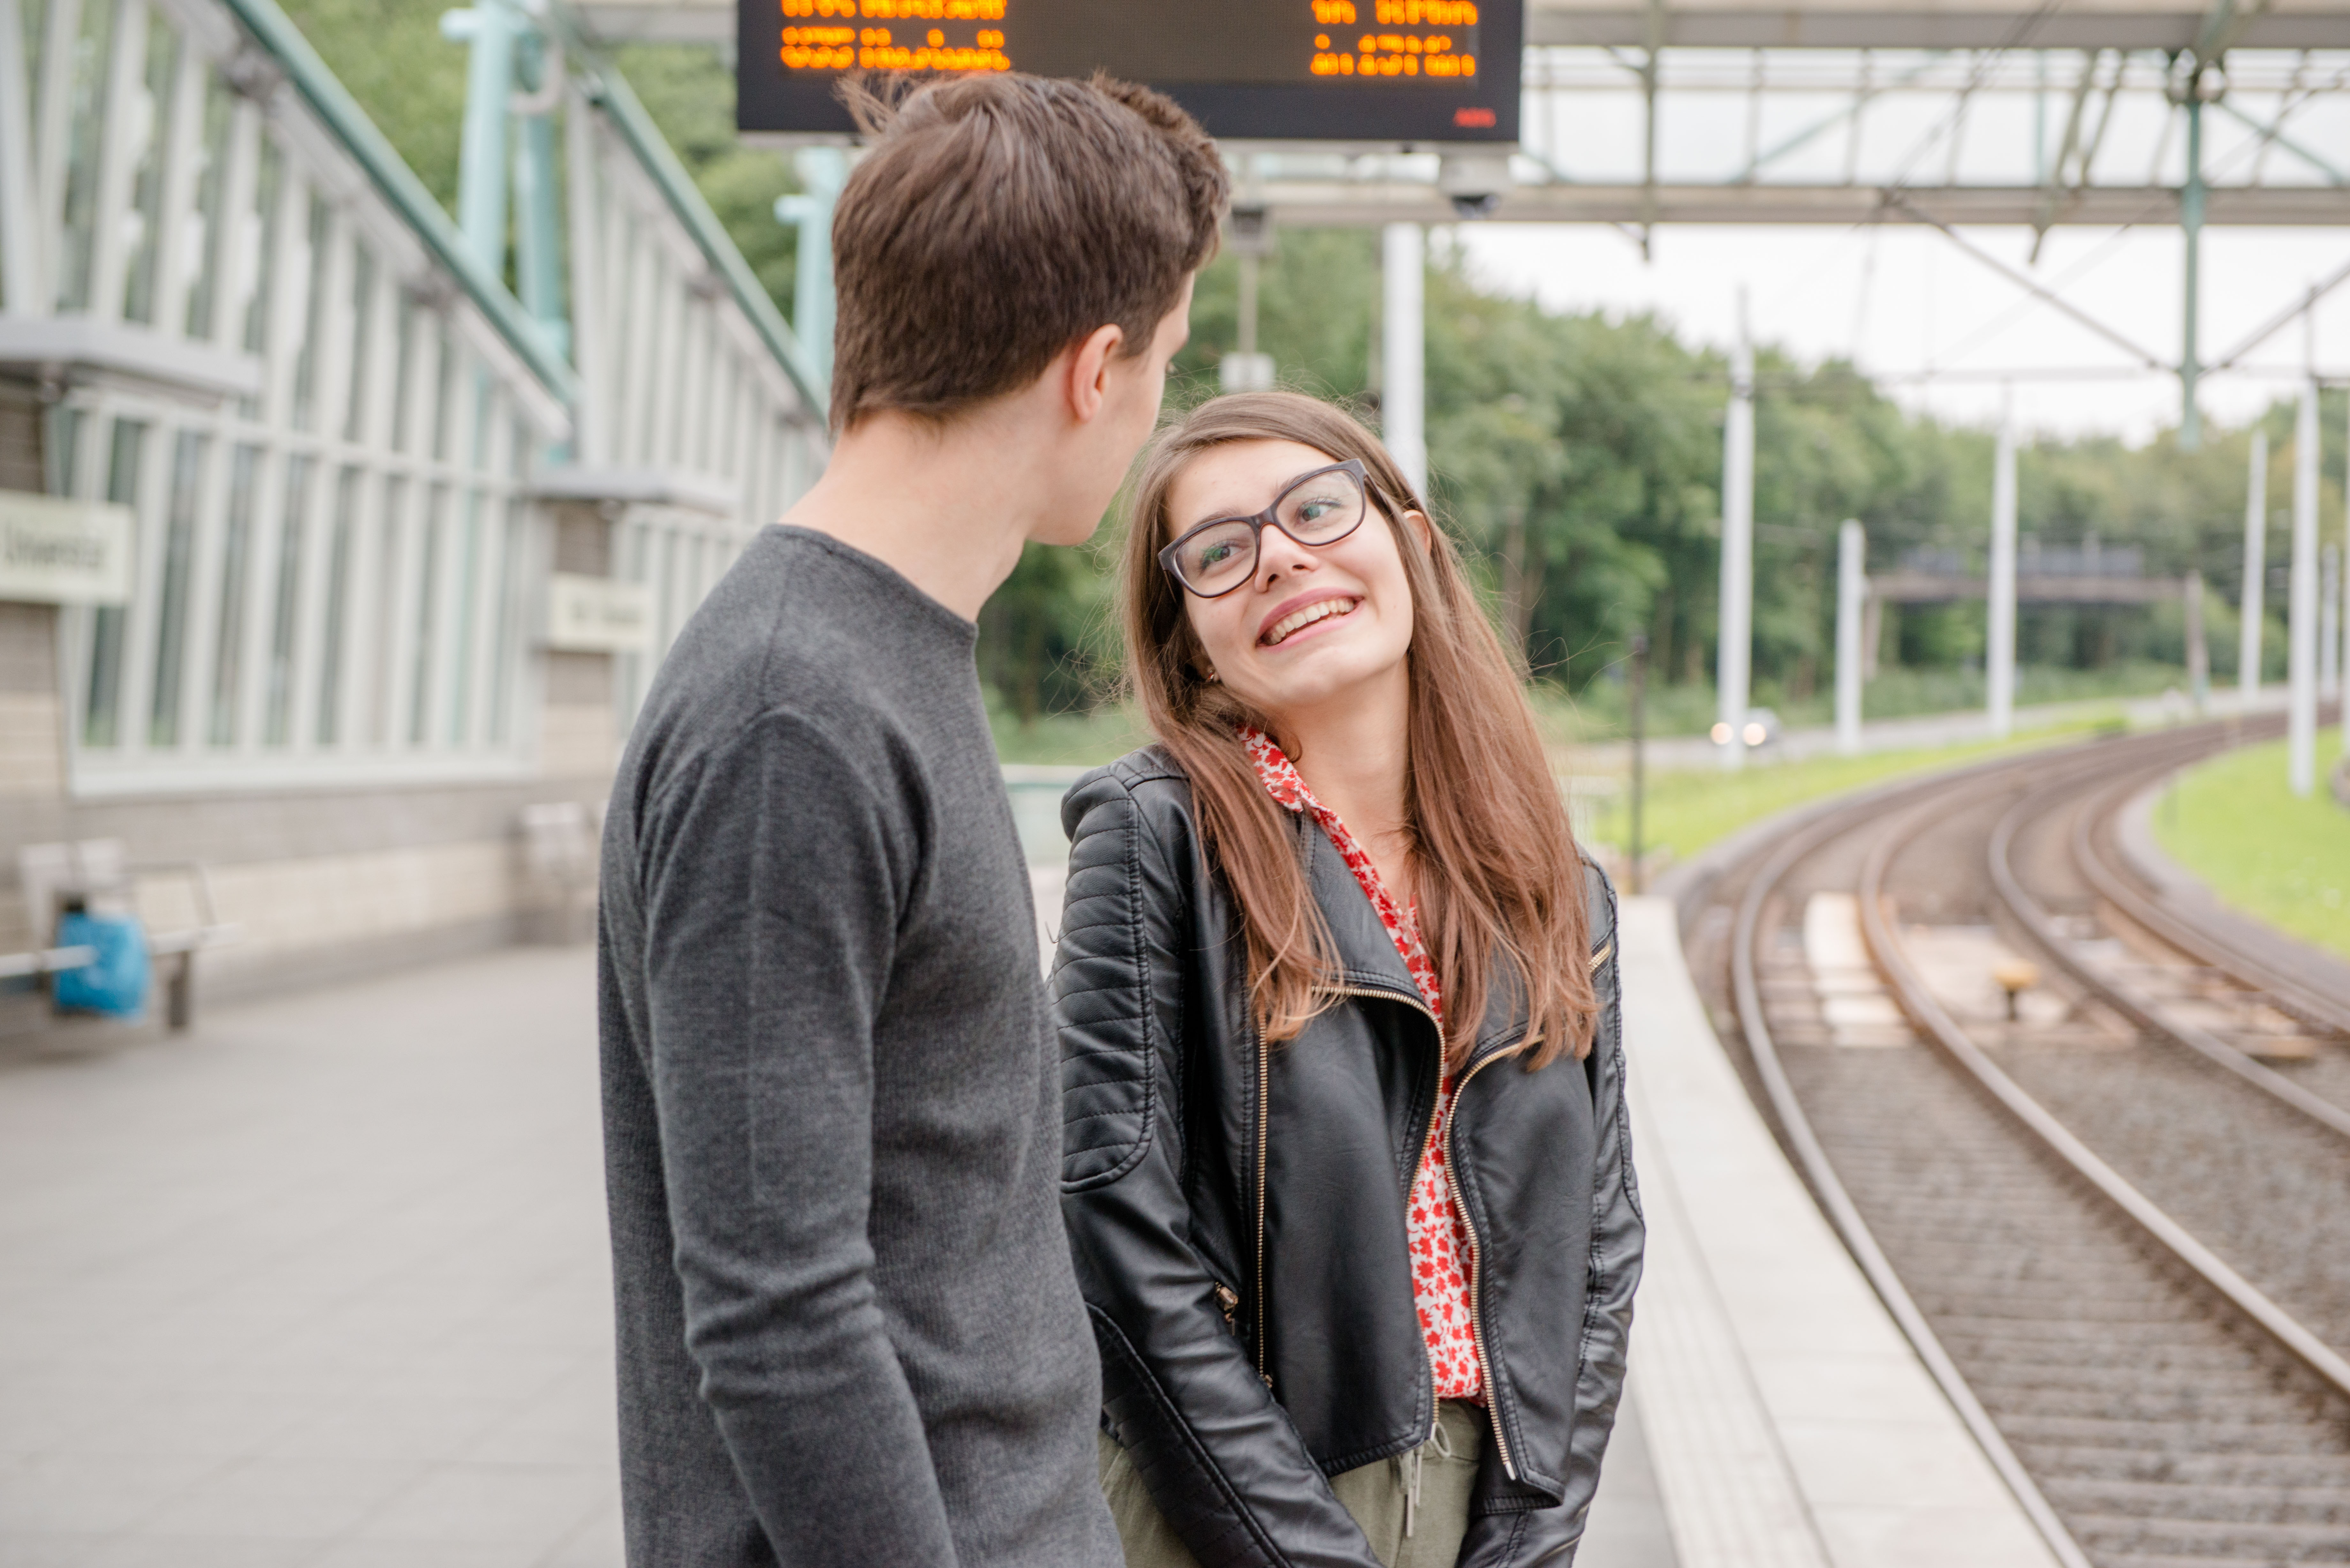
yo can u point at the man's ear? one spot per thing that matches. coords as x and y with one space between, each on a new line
1088 383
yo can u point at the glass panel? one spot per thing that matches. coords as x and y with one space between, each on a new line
142 224
228 647
62 454
502 673
314 312
97 727
362 302
387 605
34 14
261 233
460 671
84 133
171 615
286 622
403 328
632 665
427 576
479 399
665 594
518 454
444 408
625 295
331 630
206 231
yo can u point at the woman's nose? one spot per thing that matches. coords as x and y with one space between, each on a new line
1279 556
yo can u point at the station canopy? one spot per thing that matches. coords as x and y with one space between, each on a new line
1959 112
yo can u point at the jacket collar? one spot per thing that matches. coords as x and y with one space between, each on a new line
1368 957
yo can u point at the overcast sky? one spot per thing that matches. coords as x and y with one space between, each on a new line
1902 300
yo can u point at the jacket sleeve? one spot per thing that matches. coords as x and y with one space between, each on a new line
1548 1537
1217 1452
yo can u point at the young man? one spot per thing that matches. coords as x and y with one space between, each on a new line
849 1333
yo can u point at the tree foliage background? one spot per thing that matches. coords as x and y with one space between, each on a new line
1577 456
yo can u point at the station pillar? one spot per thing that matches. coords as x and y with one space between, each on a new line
490 30
1404 345
2199 652
2302 616
2329 621
823 170
2256 565
2190 229
1852 593
1999 647
1734 656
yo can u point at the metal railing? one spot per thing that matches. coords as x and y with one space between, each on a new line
336 427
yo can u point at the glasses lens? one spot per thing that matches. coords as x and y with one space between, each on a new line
1323 508
1217 557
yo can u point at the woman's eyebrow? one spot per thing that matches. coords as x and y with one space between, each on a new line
1229 513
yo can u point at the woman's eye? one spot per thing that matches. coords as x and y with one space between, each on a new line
1315 511
1215 554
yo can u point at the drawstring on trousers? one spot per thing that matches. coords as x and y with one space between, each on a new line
1411 1464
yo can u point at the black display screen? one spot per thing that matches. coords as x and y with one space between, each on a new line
1379 71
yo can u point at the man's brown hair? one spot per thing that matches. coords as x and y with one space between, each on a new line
999 219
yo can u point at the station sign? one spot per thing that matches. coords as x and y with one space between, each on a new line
59 552
1385 72
598 614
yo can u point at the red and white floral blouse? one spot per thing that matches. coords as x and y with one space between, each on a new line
1438 1240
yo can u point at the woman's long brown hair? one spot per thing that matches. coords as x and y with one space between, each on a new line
1495 863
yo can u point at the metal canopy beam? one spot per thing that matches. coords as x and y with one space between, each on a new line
1994 24
1627 23
1346 203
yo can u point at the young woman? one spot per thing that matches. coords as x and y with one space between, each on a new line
1345 1171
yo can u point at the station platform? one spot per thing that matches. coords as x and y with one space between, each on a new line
325 1284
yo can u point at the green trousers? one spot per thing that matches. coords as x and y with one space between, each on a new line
1403 1534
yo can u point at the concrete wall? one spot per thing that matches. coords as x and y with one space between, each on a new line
326 882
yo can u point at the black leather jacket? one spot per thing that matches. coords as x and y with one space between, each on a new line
1237 1213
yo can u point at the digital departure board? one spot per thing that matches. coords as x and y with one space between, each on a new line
1377 71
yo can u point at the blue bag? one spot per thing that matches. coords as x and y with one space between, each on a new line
117 984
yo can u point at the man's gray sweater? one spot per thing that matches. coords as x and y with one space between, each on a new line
849 1333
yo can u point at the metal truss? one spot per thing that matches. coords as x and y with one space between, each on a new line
2036 138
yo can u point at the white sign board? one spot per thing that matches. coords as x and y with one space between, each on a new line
598 614
55 552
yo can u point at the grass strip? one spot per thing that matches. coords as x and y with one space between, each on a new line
1687 810
2265 851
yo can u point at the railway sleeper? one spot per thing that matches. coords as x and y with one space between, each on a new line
2161 1502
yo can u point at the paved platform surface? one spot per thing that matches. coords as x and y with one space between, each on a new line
1789 1422
324 1283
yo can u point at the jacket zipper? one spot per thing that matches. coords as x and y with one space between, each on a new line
1476 1257
1264 1135
1476 1273
1476 1253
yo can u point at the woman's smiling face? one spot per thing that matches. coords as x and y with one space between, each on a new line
1314 622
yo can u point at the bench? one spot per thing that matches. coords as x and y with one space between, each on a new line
95 874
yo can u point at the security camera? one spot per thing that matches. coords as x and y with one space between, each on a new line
1474 182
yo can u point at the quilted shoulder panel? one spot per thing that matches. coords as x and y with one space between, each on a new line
1102 987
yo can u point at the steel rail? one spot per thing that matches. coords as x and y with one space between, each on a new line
2149 1016
1820 1172
1929 1014
2205 947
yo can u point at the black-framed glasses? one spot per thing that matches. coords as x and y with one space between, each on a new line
1321 507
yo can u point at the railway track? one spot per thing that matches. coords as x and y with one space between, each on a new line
2112 1212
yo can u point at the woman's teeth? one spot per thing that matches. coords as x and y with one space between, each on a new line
1321 610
